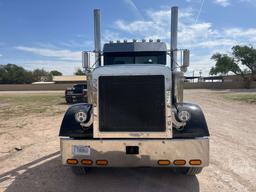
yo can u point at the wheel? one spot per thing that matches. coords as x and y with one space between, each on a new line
189 170
77 170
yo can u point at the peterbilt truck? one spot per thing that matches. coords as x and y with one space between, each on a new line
135 115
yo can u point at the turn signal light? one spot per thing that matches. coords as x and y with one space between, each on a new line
86 162
195 162
164 162
101 162
72 161
179 162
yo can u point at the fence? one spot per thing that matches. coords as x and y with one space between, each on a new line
30 87
218 85
63 86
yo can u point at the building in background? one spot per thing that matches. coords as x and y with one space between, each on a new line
69 79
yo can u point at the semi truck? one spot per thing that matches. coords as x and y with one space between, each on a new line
135 115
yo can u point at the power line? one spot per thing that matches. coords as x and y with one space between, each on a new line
199 12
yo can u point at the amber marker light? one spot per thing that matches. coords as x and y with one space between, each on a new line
86 162
195 162
72 161
164 162
101 162
179 162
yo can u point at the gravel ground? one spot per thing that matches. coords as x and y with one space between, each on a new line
30 161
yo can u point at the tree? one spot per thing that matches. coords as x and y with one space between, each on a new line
246 56
55 73
41 75
241 56
12 73
79 72
224 64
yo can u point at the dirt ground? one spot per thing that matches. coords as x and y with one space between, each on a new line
30 161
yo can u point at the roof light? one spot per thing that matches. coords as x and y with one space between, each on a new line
150 40
143 40
158 40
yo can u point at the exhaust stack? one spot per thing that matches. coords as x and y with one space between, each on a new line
97 37
177 76
174 37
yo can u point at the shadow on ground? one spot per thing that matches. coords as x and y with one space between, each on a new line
47 174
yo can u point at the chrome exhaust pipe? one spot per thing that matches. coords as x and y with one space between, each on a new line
97 37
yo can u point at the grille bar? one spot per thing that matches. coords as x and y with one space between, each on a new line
132 103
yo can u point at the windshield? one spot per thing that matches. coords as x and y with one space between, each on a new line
135 58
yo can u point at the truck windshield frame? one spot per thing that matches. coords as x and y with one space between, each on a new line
135 58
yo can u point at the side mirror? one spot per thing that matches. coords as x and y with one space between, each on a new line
85 59
186 60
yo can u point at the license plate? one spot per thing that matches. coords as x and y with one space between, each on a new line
81 150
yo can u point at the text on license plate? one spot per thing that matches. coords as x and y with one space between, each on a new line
81 150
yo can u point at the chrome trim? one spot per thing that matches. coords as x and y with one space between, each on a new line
178 125
132 70
150 151
89 123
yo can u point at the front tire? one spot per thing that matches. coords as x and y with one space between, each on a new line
78 170
189 170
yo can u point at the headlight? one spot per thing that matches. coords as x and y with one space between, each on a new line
80 116
183 116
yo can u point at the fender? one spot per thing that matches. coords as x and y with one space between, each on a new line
196 126
71 128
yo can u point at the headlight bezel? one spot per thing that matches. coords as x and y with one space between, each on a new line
184 115
81 116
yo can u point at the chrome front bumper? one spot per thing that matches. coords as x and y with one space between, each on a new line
150 151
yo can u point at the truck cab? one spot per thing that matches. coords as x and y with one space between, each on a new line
133 117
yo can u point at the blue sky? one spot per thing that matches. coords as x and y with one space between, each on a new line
51 34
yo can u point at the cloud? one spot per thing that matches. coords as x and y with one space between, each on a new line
1 55
223 3
202 38
62 54
63 60
66 67
215 43
243 34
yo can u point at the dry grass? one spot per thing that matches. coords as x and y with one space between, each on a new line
244 97
25 104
